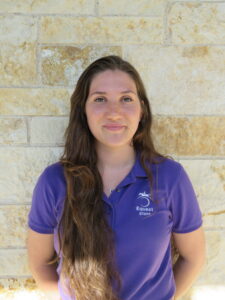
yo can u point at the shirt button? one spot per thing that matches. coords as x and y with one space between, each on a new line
118 190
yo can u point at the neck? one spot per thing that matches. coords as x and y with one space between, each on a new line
115 158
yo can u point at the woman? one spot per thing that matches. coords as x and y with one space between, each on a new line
110 206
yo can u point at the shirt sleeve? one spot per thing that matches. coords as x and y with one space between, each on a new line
186 213
42 215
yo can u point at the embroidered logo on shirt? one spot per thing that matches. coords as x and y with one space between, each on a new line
144 207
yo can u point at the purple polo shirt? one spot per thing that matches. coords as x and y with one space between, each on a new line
142 225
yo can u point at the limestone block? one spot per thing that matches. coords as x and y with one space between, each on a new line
18 36
139 8
48 130
22 294
13 283
13 131
208 179
197 23
181 79
38 101
190 135
13 262
62 65
14 288
20 168
135 30
13 224
76 7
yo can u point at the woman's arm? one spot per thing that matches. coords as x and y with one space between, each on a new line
191 248
40 252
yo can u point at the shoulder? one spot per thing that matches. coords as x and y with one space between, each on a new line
54 172
53 177
54 169
168 168
168 174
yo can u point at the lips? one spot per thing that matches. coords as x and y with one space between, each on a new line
113 127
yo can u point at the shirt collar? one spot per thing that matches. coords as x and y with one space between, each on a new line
136 171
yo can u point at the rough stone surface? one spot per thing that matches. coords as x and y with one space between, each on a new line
62 65
208 179
197 23
181 80
17 283
139 8
22 294
76 7
13 220
18 36
54 134
101 30
190 135
13 131
38 101
20 168
13 262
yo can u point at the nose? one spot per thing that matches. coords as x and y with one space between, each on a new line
113 110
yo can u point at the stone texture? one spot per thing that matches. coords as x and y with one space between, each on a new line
197 23
13 220
135 30
42 101
18 36
76 7
54 133
208 179
20 168
190 135
139 8
13 131
181 80
62 65
22 294
14 283
15 288
13 262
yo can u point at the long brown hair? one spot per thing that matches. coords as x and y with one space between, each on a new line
86 239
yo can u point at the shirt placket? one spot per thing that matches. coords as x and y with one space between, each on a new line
112 202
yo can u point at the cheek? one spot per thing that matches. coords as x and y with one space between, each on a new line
93 115
134 113
94 111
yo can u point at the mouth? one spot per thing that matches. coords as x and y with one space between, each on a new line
114 127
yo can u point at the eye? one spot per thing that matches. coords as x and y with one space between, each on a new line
127 99
99 99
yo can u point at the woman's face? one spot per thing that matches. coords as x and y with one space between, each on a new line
113 108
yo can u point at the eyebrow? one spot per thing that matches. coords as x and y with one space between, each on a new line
102 93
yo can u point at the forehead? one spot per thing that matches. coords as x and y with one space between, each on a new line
112 80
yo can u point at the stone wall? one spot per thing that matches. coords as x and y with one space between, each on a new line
179 49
